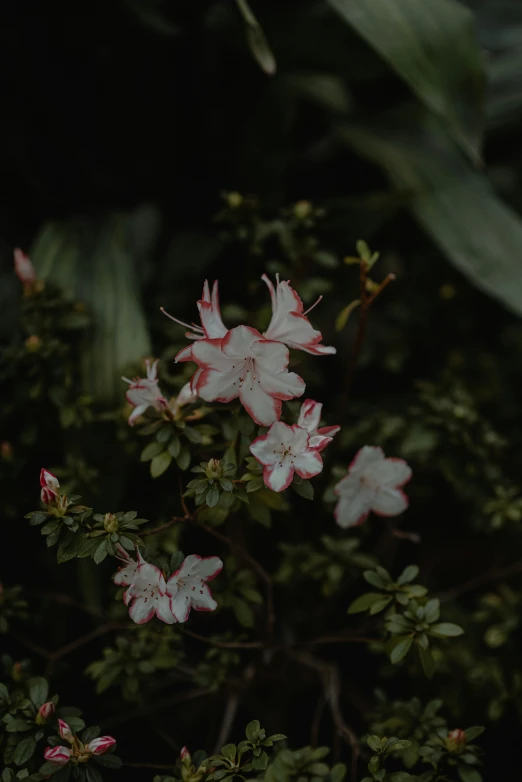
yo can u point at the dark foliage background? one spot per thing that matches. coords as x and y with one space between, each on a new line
121 125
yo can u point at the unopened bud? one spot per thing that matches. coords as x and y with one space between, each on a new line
101 745
214 469
302 209
6 450
456 741
234 200
33 343
45 712
17 672
110 522
65 732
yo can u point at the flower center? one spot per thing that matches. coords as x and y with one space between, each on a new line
248 375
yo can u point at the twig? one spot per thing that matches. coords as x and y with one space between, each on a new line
233 701
63 599
497 574
332 687
225 644
316 722
342 639
162 527
121 717
30 645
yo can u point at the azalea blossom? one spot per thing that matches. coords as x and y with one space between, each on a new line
147 596
50 487
185 397
188 589
126 574
309 418
144 393
289 323
246 365
101 745
373 484
212 326
284 450
60 756
24 269
65 731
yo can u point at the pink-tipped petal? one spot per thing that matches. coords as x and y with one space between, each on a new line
389 502
60 756
278 477
101 745
308 464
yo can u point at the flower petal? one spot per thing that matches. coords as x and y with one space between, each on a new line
208 354
163 610
260 406
367 458
392 472
217 386
278 477
239 340
180 605
58 755
319 442
355 501
206 568
142 610
389 502
202 599
262 448
310 415
308 463
210 314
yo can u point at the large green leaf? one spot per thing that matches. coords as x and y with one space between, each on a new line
96 263
456 205
433 46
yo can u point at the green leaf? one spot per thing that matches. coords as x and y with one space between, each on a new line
174 446
375 579
252 731
101 552
109 761
257 42
474 732
151 450
455 205
469 774
183 459
401 649
24 750
69 548
38 690
92 774
94 261
229 751
304 488
446 629
260 763
160 463
342 318
432 610
427 661
364 602
176 560
243 612
408 575
433 46
17 725
212 497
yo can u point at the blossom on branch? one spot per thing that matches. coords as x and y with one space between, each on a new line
246 365
147 596
50 492
289 323
188 589
284 450
309 419
373 484
144 393
212 326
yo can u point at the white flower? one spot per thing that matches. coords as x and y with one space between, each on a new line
246 365
309 418
147 596
212 327
372 484
125 574
185 397
144 393
284 450
289 323
187 586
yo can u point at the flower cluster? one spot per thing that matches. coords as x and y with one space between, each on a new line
243 363
285 449
78 752
149 594
145 392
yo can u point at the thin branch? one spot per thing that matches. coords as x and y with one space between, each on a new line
122 717
496 574
332 688
342 639
227 721
63 599
225 644
163 527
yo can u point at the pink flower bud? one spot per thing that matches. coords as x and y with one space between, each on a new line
24 269
456 741
65 731
184 754
60 756
50 487
46 711
101 745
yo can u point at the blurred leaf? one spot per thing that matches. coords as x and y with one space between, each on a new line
504 97
433 46
257 42
153 15
457 206
93 263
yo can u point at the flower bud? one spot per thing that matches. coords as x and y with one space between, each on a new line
23 267
185 756
6 450
110 522
33 343
45 712
234 200
50 487
65 731
60 756
456 741
17 672
101 745
214 469
302 209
